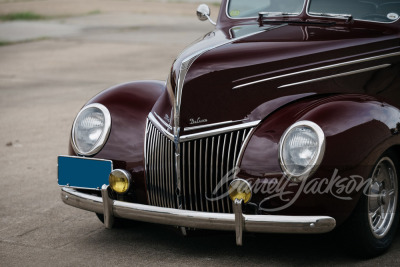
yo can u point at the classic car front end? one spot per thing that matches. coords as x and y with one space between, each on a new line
284 119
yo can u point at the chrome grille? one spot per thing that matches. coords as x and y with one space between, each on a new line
204 163
159 159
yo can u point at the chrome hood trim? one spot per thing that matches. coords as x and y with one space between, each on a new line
383 66
187 62
327 67
203 134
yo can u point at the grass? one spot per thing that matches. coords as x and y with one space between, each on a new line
5 43
22 16
216 3
30 16
94 12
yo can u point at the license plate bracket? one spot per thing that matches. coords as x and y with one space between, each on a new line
84 173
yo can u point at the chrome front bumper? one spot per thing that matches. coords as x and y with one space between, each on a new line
237 222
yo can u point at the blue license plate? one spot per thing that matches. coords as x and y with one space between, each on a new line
83 172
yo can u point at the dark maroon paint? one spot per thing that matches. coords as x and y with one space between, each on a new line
358 113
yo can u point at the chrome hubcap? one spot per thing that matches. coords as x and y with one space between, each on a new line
382 198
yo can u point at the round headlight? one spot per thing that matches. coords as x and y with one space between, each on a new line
91 129
301 150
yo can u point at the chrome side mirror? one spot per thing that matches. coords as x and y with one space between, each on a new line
203 13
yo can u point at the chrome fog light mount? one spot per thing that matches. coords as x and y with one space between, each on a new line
240 193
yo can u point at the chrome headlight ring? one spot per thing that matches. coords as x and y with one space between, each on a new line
90 129
301 150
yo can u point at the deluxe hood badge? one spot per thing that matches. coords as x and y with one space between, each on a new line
197 121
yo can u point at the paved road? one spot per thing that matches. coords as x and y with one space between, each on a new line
44 83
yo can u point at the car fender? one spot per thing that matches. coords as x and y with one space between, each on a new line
129 105
358 130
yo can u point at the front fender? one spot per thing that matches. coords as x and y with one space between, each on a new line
129 105
358 130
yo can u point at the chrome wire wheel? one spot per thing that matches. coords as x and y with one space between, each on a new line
382 198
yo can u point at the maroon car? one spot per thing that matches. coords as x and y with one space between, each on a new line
284 119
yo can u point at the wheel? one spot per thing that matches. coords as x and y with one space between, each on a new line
373 225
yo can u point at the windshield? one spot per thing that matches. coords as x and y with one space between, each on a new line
251 8
372 10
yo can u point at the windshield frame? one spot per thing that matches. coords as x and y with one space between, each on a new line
372 21
227 13
306 7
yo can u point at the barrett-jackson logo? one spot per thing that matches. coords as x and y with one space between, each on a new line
197 121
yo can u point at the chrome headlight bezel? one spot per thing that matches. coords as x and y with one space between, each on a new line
104 134
317 159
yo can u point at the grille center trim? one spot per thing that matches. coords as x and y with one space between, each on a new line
207 164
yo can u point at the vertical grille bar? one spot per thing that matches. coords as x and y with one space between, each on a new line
236 148
205 175
159 173
146 154
222 173
216 171
211 173
158 156
195 175
190 177
228 169
200 177
170 174
183 178
164 172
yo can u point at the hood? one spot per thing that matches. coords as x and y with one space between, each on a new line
241 74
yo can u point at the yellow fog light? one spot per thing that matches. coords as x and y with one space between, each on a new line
120 181
240 189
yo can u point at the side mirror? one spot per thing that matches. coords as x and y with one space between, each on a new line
203 13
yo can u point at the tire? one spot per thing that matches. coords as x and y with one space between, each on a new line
372 227
118 222
100 217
